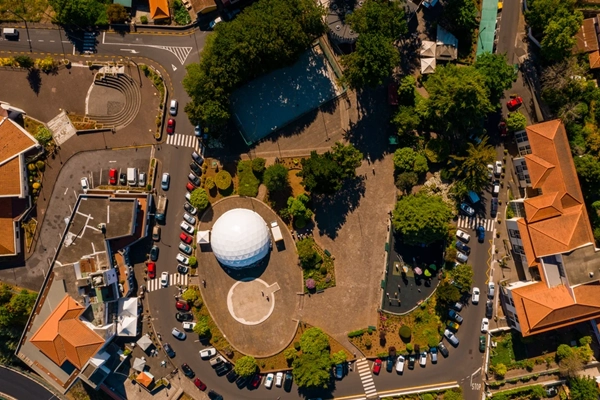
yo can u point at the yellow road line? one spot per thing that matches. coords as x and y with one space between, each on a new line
415 388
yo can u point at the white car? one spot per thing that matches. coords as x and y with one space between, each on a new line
165 181
423 359
491 290
188 196
188 326
475 296
187 228
485 325
142 179
178 334
269 381
400 364
183 259
498 168
462 235
85 184
164 279
490 168
189 219
208 353
279 379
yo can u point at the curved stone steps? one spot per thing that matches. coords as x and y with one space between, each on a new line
133 98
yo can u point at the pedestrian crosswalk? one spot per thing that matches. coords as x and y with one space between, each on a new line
474 222
179 139
180 52
174 279
364 370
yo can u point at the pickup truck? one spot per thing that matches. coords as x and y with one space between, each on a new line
276 231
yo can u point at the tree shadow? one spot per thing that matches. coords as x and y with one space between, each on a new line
34 77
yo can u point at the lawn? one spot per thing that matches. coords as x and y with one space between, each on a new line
425 327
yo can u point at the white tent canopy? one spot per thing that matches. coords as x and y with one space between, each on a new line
427 65
144 342
127 317
427 49
203 237
139 364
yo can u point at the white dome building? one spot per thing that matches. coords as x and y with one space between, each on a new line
240 238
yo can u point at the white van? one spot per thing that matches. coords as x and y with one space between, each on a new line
132 175
173 108
11 34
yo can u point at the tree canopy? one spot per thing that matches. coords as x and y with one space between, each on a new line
266 36
81 13
199 199
421 218
460 16
297 208
583 388
312 367
471 168
371 63
378 16
246 366
117 14
326 173
498 74
559 35
14 311
276 178
462 275
516 121
540 12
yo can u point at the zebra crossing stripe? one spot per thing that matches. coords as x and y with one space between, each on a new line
179 139
180 52
472 223
174 279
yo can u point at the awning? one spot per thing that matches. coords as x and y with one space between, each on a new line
144 342
427 49
427 65
139 364
145 378
203 237
127 326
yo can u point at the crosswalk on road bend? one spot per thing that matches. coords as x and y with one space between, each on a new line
179 139
174 279
364 370
474 222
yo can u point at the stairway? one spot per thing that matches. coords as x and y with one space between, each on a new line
133 100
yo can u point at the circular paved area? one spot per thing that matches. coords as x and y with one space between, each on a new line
255 308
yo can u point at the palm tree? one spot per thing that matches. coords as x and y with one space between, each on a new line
471 168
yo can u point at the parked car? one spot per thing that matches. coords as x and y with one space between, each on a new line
165 181
173 107
453 340
411 361
457 306
377 367
85 184
194 179
188 326
232 376
269 380
171 126
490 168
187 249
514 103
287 381
187 239
156 233
214 22
460 246
423 359
279 379
467 209
475 296
223 369
178 334
187 371
496 188
491 289
485 325
400 364
212 395
182 317
183 259
198 159
199 384
208 353
198 130
168 350
190 208
461 257
196 169
142 179
256 379
462 235
154 253
122 179
182 269
338 371
502 129
164 279
494 207
453 326
182 305
189 219
489 309
187 228
190 187
433 352
442 349
241 382
480 233
455 316
151 270
112 176
482 343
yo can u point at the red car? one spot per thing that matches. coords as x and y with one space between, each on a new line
255 383
199 384
190 187
151 270
170 126
187 239
112 176
377 367
514 103
182 305
502 128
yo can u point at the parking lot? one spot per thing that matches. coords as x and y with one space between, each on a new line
97 173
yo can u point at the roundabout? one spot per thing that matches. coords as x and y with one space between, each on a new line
252 287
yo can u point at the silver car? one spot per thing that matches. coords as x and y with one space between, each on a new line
185 248
178 334
142 179
189 219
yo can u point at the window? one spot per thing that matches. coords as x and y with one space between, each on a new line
518 249
561 269
514 233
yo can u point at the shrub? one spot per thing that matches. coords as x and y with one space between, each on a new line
564 351
529 364
247 182
144 19
323 269
258 165
427 396
40 165
209 183
500 370
193 262
199 199
405 333
36 185
409 347
368 343
276 178
43 135
297 346
290 355
47 64
357 333
31 167
307 254
246 366
432 341
586 340
223 180
310 284
24 61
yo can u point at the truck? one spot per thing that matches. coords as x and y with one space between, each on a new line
276 231
161 207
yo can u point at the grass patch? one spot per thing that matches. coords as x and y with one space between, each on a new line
503 352
32 12
82 391
31 125
29 227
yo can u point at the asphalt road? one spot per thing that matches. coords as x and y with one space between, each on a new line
22 387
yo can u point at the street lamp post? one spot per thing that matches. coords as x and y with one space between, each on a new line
26 28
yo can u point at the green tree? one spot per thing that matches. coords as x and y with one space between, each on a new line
180 14
406 181
406 120
43 135
458 99
583 388
193 262
5 293
407 91
321 174
246 366
223 180
463 276
421 218
516 121
588 169
559 39
453 394
190 295
312 367
564 351
420 166
339 358
498 74
276 178
116 13
81 13
447 293
404 159
405 333
371 63
348 157
297 208
540 12
202 329
379 17
199 199
570 366
290 354
500 370
461 18
307 254
471 168
258 165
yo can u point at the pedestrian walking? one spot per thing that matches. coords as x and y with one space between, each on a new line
268 298
369 159
387 294
419 289
373 170
203 283
263 294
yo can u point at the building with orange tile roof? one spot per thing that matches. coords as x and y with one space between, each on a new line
159 9
552 237
15 143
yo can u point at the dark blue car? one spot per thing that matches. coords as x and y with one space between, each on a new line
460 246
480 233
339 371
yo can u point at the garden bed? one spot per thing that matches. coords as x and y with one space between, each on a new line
322 273
29 227
81 122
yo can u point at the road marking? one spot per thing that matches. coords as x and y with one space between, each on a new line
366 378
174 279
66 190
131 50
174 67
474 222
113 161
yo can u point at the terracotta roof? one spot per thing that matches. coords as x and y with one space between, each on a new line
586 40
159 9
203 6
594 59
542 207
144 379
10 178
14 140
7 227
64 337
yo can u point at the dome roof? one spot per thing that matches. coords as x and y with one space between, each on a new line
240 238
